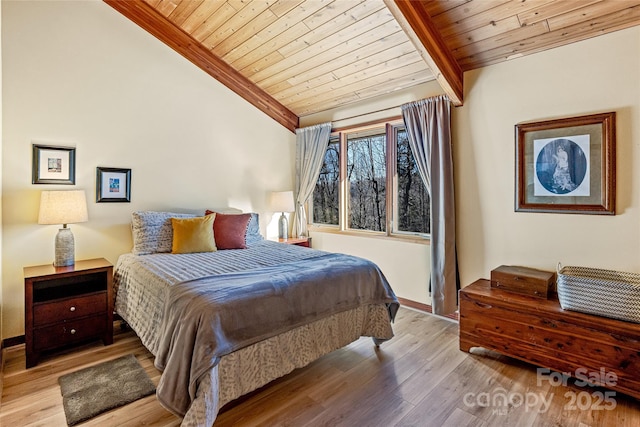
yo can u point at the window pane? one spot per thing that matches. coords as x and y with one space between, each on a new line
366 177
326 194
413 198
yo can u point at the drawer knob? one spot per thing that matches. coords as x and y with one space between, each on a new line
73 331
72 308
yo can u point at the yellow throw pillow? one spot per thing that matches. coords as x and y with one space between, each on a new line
193 235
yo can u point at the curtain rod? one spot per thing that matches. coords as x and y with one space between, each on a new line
377 111
366 114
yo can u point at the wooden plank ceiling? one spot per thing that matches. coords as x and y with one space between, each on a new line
297 57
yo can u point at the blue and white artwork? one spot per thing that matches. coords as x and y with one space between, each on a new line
561 166
114 185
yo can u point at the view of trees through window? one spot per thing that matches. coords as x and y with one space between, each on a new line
326 196
366 175
413 198
368 168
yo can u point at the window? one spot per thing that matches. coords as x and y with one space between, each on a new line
326 196
366 179
370 182
413 197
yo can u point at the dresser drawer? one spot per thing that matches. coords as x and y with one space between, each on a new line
69 309
69 332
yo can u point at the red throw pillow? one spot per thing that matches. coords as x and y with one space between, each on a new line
229 230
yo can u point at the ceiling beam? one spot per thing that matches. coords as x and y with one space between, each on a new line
152 21
418 25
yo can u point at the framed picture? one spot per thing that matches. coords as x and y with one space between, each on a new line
113 185
53 165
567 165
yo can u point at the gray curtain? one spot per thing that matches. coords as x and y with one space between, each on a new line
428 124
311 145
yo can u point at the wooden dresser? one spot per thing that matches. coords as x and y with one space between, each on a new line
67 305
539 331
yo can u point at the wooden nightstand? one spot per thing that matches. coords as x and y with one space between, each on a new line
298 241
67 305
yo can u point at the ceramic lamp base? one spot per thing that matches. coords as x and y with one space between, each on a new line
65 248
283 227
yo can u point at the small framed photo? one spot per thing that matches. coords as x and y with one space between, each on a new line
53 165
567 165
113 185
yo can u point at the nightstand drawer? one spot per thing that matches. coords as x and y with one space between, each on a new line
69 309
298 241
69 332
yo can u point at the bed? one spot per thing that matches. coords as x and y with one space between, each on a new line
223 323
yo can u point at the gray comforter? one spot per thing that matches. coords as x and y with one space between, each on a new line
207 318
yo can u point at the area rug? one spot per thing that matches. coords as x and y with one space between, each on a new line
96 389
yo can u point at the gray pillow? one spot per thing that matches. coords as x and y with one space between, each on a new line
152 231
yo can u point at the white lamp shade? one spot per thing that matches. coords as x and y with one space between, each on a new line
63 207
282 201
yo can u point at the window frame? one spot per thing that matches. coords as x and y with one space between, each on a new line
391 127
309 205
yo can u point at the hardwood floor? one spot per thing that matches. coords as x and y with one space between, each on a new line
419 378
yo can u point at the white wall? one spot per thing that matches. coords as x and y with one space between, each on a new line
80 74
596 75
406 265
1 304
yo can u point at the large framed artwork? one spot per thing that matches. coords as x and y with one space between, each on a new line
113 185
567 165
53 165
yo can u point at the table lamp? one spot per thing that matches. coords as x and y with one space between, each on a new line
63 207
282 201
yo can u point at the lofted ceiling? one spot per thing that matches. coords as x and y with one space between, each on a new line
292 58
